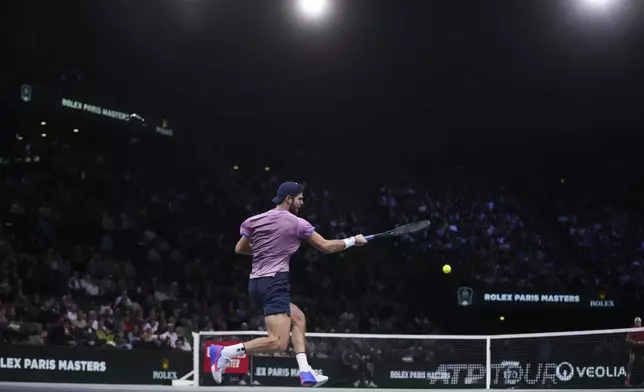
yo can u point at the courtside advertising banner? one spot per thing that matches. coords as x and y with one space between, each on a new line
56 364
591 363
284 372
576 362
280 372
504 374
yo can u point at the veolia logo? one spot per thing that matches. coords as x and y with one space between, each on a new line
565 371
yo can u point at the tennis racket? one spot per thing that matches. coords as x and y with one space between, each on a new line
400 231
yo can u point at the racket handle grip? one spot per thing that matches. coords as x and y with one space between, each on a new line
368 237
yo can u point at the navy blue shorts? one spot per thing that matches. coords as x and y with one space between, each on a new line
272 293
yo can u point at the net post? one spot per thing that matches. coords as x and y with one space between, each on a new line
488 362
196 352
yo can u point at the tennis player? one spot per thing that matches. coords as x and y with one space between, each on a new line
271 238
635 340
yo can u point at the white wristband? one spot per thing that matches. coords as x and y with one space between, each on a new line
349 242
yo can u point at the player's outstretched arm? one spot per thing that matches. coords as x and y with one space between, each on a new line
244 247
334 246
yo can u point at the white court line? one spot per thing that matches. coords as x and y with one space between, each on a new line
23 386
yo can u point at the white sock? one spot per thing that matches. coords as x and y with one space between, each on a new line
236 350
302 362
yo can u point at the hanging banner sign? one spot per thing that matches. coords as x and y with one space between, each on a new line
94 109
467 296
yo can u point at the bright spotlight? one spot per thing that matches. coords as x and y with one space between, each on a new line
599 4
43 123
314 8
75 130
605 14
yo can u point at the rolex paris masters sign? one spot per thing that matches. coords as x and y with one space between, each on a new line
552 299
531 298
86 107
15 363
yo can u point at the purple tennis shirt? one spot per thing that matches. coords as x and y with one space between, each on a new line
275 235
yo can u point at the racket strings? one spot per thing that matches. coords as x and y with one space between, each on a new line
411 228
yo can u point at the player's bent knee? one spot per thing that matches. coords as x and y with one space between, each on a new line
279 343
279 328
282 345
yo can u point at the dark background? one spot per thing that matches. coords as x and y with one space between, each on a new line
443 83
494 92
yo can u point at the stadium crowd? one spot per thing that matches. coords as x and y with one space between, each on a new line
95 252
480 231
605 237
102 247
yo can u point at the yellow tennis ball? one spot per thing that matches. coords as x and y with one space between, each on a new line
447 269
